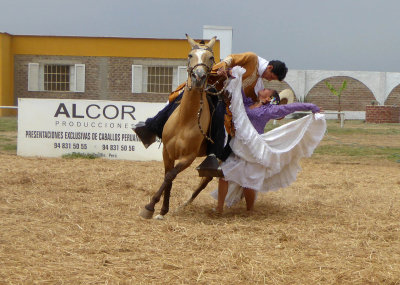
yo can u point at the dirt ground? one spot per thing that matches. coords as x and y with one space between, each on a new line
75 221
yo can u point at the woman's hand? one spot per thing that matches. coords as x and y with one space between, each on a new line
321 110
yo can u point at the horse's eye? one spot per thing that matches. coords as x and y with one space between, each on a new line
190 56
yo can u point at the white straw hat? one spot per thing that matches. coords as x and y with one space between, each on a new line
286 96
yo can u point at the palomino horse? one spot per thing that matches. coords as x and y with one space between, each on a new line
185 131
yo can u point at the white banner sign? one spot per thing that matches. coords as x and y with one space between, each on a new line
53 127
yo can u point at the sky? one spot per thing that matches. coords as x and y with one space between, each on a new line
353 35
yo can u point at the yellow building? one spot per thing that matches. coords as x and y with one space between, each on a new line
129 69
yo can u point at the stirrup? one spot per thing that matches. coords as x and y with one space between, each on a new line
210 167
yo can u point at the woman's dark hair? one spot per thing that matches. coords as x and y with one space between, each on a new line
279 69
275 98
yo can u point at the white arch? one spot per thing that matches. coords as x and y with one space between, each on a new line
296 79
392 81
380 83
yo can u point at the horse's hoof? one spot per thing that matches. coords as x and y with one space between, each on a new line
159 217
146 214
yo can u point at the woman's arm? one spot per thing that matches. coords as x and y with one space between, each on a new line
247 101
280 111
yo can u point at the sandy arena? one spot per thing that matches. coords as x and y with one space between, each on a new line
76 221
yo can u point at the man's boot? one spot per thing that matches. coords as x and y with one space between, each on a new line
210 167
145 135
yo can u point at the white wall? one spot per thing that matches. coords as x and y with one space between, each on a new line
224 35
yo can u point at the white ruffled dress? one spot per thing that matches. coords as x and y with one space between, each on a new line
269 161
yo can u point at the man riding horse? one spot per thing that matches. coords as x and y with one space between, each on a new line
183 124
257 69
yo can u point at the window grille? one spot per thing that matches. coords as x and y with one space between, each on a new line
159 79
56 77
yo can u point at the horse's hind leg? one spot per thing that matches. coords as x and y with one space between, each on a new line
170 176
203 183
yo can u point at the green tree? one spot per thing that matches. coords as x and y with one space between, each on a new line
337 93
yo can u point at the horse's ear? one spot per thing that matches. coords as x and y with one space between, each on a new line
191 41
211 43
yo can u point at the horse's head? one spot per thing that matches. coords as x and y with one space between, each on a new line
200 62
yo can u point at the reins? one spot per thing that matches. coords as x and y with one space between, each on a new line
198 121
207 90
190 70
213 86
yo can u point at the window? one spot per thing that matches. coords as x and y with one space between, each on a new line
157 79
56 77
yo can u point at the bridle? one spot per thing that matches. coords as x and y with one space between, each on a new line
208 69
191 68
190 72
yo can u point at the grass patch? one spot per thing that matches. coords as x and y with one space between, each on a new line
76 155
8 124
362 131
353 148
8 134
391 153
356 132
9 147
6 139
351 127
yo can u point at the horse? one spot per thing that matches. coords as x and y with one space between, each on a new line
185 133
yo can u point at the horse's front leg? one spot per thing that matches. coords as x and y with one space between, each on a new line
148 210
170 176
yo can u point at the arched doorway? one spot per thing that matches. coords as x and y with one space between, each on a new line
278 86
394 97
354 98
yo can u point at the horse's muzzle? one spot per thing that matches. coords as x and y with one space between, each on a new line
199 78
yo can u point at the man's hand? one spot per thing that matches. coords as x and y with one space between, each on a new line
223 72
